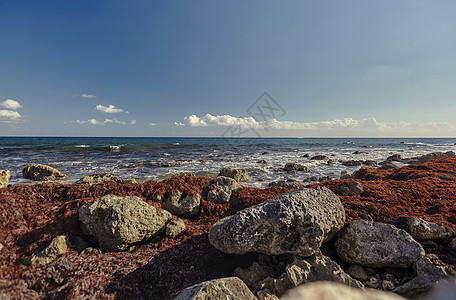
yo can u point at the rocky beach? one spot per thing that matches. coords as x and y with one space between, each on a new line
380 232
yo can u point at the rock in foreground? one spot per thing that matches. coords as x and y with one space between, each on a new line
239 175
296 222
118 222
38 172
374 244
4 177
223 288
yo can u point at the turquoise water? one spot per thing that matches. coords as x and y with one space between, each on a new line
135 157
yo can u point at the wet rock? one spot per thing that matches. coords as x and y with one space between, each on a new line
307 155
296 222
370 163
97 178
265 153
222 193
293 167
345 175
174 228
167 164
58 246
452 245
179 204
352 163
324 178
423 230
319 157
357 272
289 184
427 275
279 274
387 165
4 177
360 152
394 157
117 223
434 155
38 172
262 162
240 175
353 188
324 290
377 245
223 288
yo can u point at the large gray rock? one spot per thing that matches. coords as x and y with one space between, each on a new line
324 290
427 276
279 274
424 230
225 187
374 244
180 204
38 172
239 175
4 177
296 222
58 246
119 222
223 288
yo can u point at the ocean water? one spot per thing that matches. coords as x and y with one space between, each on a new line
137 157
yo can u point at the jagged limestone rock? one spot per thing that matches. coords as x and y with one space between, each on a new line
296 222
239 175
225 186
58 246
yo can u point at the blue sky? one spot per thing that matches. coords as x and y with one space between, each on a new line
193 68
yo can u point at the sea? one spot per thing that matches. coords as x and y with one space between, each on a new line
142 158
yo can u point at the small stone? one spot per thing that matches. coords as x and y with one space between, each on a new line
293 167
357 272
174 228
352 163
5 177
345 175
424 230
265 153
262 162
319 157
239 175
97 178
387 285
58 246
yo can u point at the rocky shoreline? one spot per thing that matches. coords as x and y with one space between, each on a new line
390 229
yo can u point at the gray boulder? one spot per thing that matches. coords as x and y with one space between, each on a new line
117 223
293 167
58 246
353 188
223 288
296 222
180 204
434 155
225 186
38 172
4 177
279 274
427 276
352 163
374 244
174 228
423 230
239 175
324 290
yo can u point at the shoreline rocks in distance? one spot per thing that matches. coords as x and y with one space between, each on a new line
37 172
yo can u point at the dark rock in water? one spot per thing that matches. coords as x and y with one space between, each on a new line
360 152
290 167
324 178
166 164
239 175
290 184
387 165
329 162
296 222
319 157
306 155
394 157
38 172
352 163
262 161
265 153
434 155
370 163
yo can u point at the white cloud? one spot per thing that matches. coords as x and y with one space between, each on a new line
111 109
367 126
96 122
10 104
153 124
133 122
9 115
88 96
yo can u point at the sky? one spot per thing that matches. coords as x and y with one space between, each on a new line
350 68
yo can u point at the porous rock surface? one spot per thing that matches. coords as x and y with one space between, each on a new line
239 175
294 167
324 290
423 230
58 246
97 178
223 288
222 192
39 172
296 222
4 177
375 244
174 228
118 222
